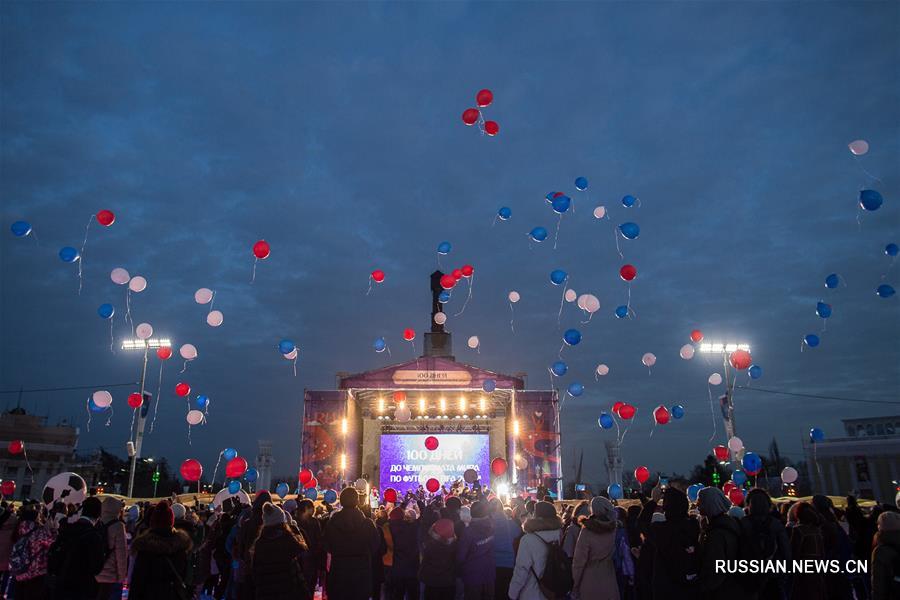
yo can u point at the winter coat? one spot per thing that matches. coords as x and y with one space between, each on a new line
593 567
438 566
506 533
115 569
885 565
406 549
7 531
351 539
720 541
532 557
276 565
80 548
38 539
570 538
807 544
153 576
676 558
475 552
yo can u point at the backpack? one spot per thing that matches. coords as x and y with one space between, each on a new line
556 581
18 556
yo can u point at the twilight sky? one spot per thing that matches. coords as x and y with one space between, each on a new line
333 131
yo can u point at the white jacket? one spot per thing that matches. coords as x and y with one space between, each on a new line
532 554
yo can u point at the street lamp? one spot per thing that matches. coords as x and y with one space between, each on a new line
135 444
726 349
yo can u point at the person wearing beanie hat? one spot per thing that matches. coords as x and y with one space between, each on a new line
276 557
592 566
161 564
178 511
719 541
885 556
115 569
353 542
289 506
438 566
475 554
674 539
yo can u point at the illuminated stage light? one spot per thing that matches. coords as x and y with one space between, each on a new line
422 405
381 405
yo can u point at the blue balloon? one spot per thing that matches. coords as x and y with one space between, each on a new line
444 297
282 489
550 197
870 200
752 462
891 249
559 368
444 248
234 486
20 228
614 491
739 478
538 234
229 453
811 340
832 281
504 213
605 421
489 385
816 435
561 204
251 475
885 290
575 389
558 276
330 496
693 491
286 346
379 344
823 310
312 493
628 201
201 402
677 411
106 310
94 408
621 311
581 183
755 371
630 230
68 254
572 337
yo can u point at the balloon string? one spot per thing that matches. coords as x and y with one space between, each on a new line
158 390
388 348
295 365
512 316
624 433
111 342
861 168
368 291
561 302
81 254
556 237
28 464
619 250
184 368
471 281
652 429
189 434
712 413
87 407
253 273
36 240
112 411
212 300
213 481
128 318
628 303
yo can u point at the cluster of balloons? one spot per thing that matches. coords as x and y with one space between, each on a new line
471 116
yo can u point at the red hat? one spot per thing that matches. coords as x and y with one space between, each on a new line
162 516
443 529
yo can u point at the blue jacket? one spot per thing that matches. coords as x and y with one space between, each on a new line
506 532
475 552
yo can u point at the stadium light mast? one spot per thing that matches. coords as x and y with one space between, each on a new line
727 401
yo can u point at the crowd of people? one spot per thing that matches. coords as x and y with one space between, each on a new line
469 545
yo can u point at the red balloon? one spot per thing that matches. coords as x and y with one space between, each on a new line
661 415
8 487
431 443
736 495
558 194
470 116
626 411
491 128
696 336
628 272
378 275
729 485
182 389
261 249
399 396
467 270
448 281
164 353
135 400
484 98
106 218
191 469
409 334
235 468
390 495
311 483
740 360
617 406
498 466
432 485
16 447
721 453
305 475
457 274
642 474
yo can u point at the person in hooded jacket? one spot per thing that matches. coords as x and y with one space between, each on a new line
720 540
275 559
475 555
160 559
593 566
506 537
675 543
437 570
570 534
351 539
885 563
115 569
768 530
36 537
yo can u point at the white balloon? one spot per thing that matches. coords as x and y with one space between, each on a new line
203 296
402 414
68 488
735 444
649 359
602 369
600 212
571 295
360 485
291 355
514 296
137 284
241 497
102 398
789 474
188 352
473 342
858 147
119 276
715 379
589 302
194 417
143 331
686 352
440 318
215 318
